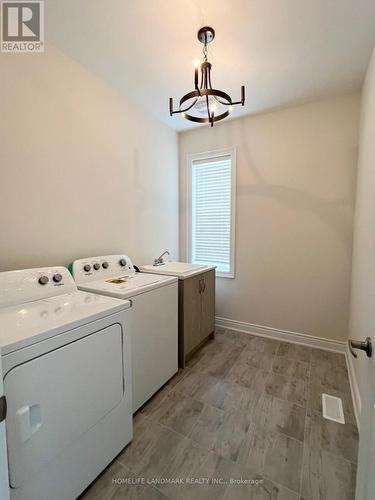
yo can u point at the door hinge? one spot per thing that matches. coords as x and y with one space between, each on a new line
3 408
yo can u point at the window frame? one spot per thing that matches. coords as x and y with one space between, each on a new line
208 155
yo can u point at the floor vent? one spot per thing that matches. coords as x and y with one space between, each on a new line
332 408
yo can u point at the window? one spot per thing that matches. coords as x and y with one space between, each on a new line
212 184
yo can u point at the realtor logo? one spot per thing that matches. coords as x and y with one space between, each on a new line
22 26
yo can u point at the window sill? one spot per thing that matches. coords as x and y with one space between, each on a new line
221 275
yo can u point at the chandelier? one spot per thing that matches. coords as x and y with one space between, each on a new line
205 104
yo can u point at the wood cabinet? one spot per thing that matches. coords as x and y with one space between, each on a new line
196 312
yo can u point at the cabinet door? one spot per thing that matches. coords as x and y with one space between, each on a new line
192 312
208 304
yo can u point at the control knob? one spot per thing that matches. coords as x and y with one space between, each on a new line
105 265
96 266
43 280
122 262
87 268
57 278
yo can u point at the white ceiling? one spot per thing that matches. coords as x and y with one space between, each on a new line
283 51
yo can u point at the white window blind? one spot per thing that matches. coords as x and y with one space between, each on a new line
211 213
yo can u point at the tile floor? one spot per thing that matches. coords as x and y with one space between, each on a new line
242 421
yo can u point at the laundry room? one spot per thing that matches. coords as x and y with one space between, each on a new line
187 226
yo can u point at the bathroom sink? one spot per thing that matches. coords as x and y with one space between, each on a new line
180 269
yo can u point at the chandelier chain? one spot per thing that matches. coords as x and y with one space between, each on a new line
205 51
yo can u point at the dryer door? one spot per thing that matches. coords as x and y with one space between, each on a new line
4 481
55 398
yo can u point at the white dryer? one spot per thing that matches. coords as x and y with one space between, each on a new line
154 317
67 382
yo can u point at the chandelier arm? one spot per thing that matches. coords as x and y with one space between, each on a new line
189 107
209 78
208 107
217 93
215 119
210 115
225 103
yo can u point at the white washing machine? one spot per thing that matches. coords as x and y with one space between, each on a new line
154 317
67 382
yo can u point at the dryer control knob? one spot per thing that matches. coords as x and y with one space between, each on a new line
96 266
105 265
122 262
57 278
43 280
87 268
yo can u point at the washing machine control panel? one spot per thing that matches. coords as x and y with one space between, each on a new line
17 287
96 268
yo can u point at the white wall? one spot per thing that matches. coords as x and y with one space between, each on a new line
82 170
296 172
362 311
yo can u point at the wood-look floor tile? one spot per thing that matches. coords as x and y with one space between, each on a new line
223 432
152 494
330 377
248 376
114 483
291 367
315 402
232 337
128 490
253 448
140 423
103 487
227 395
294 351
231 434
339 439
258 359
196 385
247 485
177 378
198 356
263 345
219 363
319 357
327 477
148 408
275 414
149 455
207 426
140 446
283 461
191 457
240 417
178 412
289 388
202 482
273 455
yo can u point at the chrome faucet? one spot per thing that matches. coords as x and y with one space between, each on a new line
160 261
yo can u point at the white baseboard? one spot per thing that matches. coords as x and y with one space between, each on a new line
284 335
301 339
354 388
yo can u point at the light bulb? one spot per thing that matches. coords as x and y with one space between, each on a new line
196 63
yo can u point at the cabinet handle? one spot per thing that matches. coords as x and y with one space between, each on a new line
200 286
204 285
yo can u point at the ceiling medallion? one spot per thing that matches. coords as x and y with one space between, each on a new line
205 104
